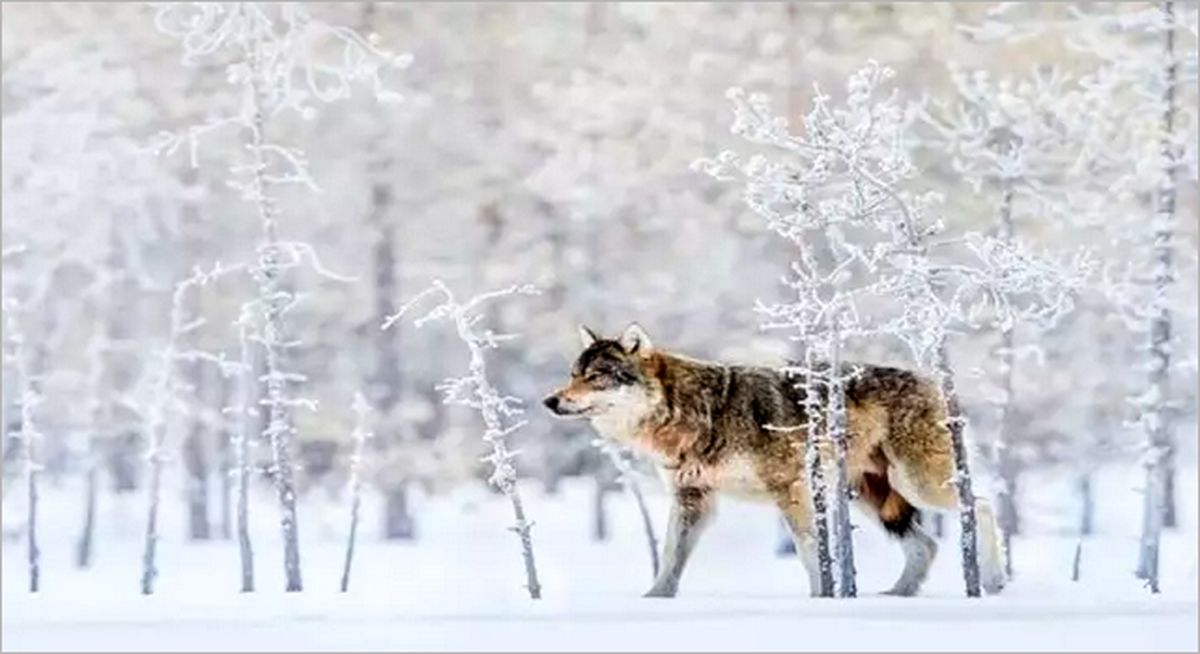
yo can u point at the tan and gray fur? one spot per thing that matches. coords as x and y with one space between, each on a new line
712 428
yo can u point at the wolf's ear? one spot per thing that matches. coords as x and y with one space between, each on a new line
587 336
635 340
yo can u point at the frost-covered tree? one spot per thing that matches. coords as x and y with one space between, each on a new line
275 69
29 437
245 413
476 390
1010 139
163 400
1154 46
852 164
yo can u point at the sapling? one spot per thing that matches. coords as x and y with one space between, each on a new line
476 390
360 435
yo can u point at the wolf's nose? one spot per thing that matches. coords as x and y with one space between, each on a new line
551 403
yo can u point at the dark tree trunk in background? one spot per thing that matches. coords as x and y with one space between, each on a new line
34 552
225 456
241 446
398 520
1168 519
385 379
1007 464
195 458
1087 505
83 550
384 383
124 461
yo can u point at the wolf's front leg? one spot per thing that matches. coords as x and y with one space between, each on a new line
794 505
690 513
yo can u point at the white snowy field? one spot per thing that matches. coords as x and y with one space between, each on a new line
458 587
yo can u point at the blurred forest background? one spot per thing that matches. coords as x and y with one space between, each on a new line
544 143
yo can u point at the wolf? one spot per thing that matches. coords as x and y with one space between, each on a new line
712 428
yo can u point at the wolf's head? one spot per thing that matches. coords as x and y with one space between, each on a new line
607 380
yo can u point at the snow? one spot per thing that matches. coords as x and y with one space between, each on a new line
459 586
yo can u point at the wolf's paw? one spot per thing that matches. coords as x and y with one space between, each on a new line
660 592
902 590
993 582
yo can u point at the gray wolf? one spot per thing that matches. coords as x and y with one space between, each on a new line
712 428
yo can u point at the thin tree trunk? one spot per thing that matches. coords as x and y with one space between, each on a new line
195 462
625 476
1157 413
521 527
83 550
361 409
30 398
164 389
35 554
101 381
385 382
398 520
29 436
122 462
966 496
248 390
647 523
355 502
1087 505
1169 521
150 544
274 301
816 479
1006 462
504 475
226 456
837 424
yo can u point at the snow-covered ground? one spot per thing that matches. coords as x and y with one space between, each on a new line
458 586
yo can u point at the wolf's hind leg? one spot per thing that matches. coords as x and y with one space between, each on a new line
690 513
919 548
942 496
900 519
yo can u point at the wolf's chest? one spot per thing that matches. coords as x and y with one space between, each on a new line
736 475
